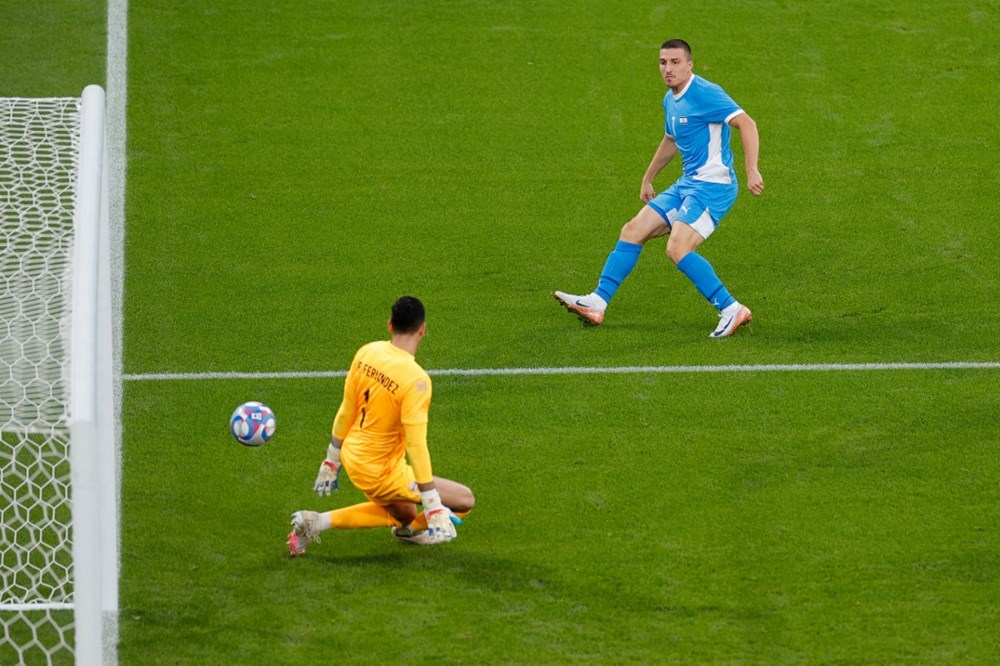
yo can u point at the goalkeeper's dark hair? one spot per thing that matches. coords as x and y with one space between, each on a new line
677 44
407 315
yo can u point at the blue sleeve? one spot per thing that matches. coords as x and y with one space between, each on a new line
715 105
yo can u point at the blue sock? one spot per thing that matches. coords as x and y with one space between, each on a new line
708 284
620 263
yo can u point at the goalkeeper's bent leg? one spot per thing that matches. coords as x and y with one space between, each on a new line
360 516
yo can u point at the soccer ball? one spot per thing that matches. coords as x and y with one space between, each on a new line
253 423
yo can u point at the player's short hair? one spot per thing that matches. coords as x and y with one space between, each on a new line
407 315
677 44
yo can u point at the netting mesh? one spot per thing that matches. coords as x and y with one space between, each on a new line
39 145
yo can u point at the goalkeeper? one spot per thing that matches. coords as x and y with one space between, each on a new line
382 420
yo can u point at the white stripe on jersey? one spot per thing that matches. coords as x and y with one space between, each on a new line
714 170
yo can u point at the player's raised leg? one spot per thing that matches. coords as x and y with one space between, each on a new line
590 307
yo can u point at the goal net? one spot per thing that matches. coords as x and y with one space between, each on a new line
58 464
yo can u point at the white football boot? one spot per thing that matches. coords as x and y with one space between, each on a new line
304 531
590 308
731 319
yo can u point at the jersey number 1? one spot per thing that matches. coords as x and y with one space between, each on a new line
363 412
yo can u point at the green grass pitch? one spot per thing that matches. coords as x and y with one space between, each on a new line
293 168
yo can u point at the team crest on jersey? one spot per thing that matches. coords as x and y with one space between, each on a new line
683 120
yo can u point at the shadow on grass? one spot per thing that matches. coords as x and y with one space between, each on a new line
469 569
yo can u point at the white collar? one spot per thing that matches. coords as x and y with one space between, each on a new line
686 86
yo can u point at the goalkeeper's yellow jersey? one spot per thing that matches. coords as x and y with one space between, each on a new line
383 415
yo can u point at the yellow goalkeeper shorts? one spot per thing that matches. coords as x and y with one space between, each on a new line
385 486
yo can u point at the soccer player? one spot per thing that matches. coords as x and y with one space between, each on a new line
698 115
382 420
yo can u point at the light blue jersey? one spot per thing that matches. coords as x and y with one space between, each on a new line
697 119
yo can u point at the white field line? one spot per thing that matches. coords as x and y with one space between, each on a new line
596 370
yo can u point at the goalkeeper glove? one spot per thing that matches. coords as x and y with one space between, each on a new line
329 470
326 479
440 528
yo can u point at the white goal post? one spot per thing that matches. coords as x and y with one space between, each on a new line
59 461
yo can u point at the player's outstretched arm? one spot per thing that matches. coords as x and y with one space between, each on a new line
751 149
327 479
